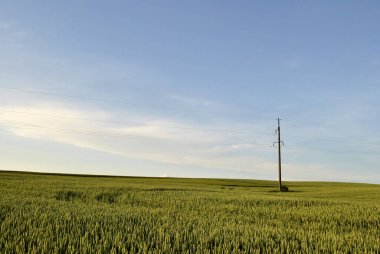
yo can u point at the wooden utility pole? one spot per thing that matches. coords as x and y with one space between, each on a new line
279 143
279 153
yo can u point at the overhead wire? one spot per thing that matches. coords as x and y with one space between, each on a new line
132 103
132 122
330 125
334 140
175 107
204 142
321 149
108 134
165 126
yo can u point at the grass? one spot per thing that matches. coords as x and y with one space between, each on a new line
47 213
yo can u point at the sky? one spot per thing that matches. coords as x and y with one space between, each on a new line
191 88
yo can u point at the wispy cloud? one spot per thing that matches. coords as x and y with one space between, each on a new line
146 141
11 32
197 102
375 61
293 64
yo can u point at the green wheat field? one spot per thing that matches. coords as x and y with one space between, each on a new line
47 213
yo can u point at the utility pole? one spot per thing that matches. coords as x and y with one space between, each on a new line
279 153
279 142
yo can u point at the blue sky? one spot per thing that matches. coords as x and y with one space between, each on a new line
191 88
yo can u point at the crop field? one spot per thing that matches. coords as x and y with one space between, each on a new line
46 213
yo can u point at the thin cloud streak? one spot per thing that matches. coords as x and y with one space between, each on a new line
198 155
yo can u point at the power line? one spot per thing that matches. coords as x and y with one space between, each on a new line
174 127
335 141
131 122
130 103
327 125
321 149
186 128
210 142
174 107
107 134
